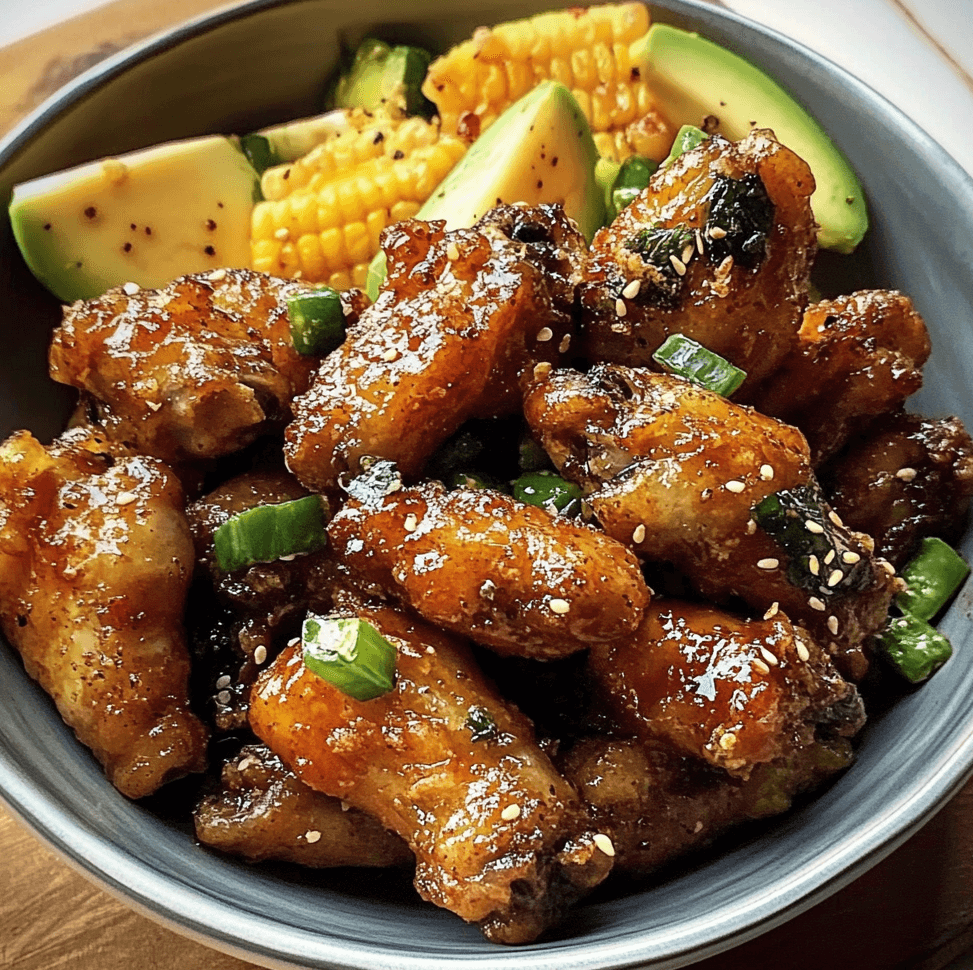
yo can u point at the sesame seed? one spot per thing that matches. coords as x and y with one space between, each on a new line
829 558
390 355
245 763
850 557
728 741
344 805
510 813
772 611
802 652
687 253
544 334
906 474
452 251
816 604
759 666
294 642
620 328
282 233
751 527
639 534
813 526
768 563
604 843
541 370
735 486
223 697
559 606
717 232
410 522
620 307
699 242
813 565
698 828
836 577
125 498
260 654
767 472
835 518
678 265
131 288
224 681
632 289
564 344
887 566
313 836
69 572
217 275
833 625
768 656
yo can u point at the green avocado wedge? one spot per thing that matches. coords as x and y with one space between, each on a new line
696 79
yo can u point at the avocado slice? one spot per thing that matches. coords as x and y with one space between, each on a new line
539 150
696 78
145 217
384 75
293 140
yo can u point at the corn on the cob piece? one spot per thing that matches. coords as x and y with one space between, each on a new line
322 215
586 50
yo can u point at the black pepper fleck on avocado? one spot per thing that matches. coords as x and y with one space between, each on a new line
127 248
209 250
211 224
90 212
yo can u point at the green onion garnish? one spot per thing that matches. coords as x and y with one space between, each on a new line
682 356
265 533
481 724
259 153
350 654
687 138
317 321
914 648
549 491
932 576
632 178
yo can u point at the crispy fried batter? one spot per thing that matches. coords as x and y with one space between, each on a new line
264 811
500 838
858 357
95 560
197 369
514 577
721 244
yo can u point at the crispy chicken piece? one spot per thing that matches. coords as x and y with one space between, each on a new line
462 319
660 805
857 357
265 602
198 369
676 472
731 692
95 560
499 837
514 577
910 477
264 811
718 248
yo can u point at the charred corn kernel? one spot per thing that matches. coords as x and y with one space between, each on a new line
323 220
585 50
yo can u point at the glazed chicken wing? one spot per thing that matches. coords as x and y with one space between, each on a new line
95 560
499 837
514 577
718 248
677 473
195 370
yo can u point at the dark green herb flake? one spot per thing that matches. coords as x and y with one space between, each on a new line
481 725
743 215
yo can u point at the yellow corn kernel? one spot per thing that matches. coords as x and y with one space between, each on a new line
311 256
333 247
403 210
357 242
359 275
264 255
375 222
340 280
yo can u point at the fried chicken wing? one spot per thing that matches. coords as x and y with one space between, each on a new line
197 369
718 248
909 477
499 837
734 693
462 318
677 472
514 577
264 811
95 560
857 357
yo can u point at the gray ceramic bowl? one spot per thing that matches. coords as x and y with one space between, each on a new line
266 61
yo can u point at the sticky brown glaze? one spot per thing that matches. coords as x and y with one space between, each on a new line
264 811
857 357
499 836
734 693
267 601
908 478
513 577
95 560
661 805
197 369
462 317
738 286
674 471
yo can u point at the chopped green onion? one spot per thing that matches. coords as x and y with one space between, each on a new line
549 491
606 172
317 321
682 356
914 648
265 533
632 179
531 456
932 577
687 138
350 654
469 480
259 152
481 724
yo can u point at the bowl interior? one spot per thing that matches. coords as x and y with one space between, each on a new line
235 71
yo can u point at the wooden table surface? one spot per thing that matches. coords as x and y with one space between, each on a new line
914 911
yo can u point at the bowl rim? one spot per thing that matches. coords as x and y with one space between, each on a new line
202 918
